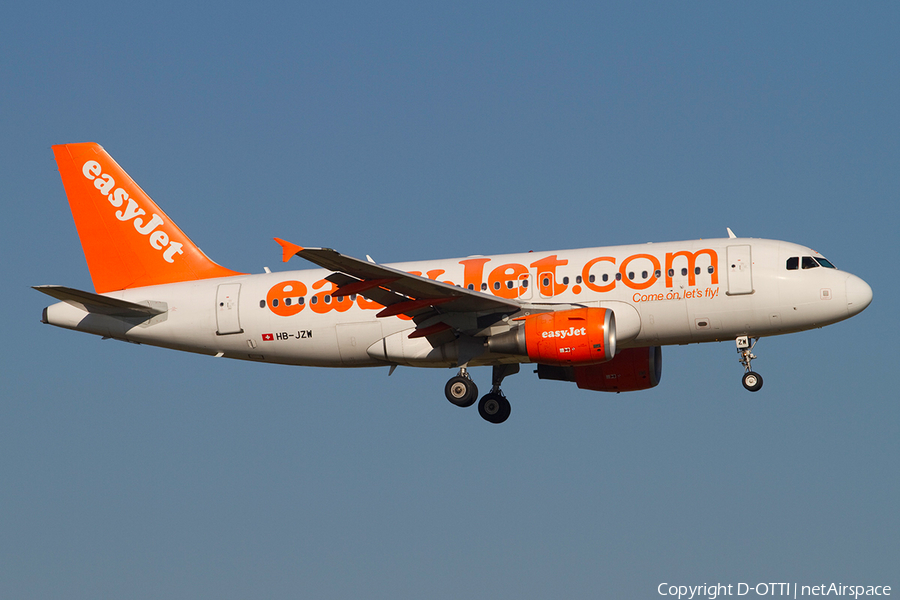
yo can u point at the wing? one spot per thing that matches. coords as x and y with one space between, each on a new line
401 292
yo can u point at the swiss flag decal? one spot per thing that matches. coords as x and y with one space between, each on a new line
268 337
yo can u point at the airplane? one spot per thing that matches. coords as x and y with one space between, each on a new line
597 317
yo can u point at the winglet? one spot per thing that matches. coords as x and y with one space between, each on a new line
289 249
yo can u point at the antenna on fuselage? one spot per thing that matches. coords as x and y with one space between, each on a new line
730 233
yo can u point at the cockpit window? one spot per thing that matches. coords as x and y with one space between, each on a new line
808 262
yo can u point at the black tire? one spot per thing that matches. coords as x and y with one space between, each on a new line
494 408
461 391
752 381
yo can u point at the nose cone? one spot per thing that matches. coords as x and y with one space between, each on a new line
859 295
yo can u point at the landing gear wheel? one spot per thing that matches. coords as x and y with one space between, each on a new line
461 391
494 408
752 381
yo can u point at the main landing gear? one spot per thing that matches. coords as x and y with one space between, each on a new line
461 390
493 407
752 381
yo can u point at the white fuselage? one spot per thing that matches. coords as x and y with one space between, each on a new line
661 293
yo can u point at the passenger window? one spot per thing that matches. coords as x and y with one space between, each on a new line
658 273
696 270
711 269
809 262
793 263
671 272
683 272
287 301
565 281
605 277
262 303
578 279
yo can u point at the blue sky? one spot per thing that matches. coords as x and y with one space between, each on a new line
408 131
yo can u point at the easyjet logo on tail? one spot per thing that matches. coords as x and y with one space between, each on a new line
129 210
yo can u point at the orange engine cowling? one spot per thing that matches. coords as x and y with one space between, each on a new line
581 336
632 369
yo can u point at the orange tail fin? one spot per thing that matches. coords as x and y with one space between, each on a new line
127 240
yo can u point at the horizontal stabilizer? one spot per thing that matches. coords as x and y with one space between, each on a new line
95 303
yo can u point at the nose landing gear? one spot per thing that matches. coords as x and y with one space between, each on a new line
752 381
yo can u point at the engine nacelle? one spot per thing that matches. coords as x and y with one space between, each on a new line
581 336
632 369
